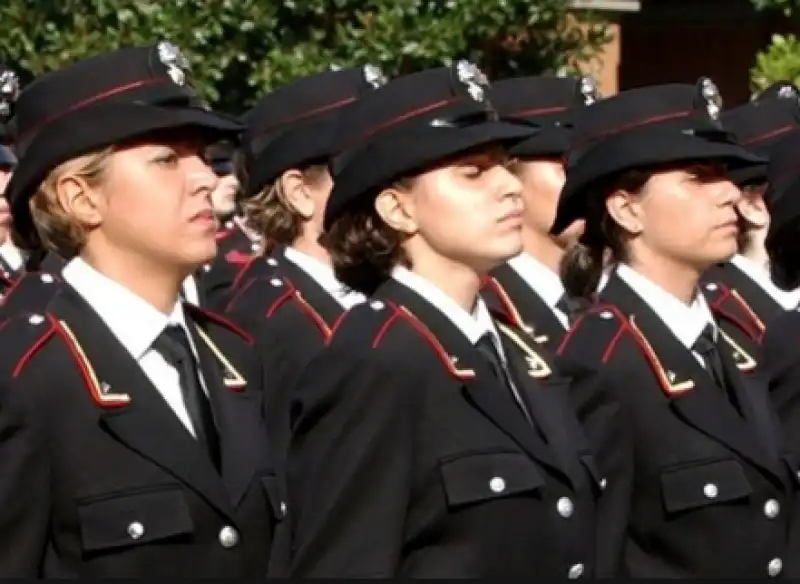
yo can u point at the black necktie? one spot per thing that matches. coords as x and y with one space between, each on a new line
173 344
707 348
488 350
569 307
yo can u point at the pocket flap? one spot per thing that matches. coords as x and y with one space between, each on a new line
704 484
479 477
587 460
133 518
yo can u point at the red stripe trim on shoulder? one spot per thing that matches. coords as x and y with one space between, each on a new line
244 270
239 293
38 344
224 322
509 307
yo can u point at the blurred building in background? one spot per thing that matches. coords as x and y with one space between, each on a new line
666 41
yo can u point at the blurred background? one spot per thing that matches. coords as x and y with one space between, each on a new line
241 48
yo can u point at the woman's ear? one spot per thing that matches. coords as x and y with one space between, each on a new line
396 208
626 210
78 200
297 196
753 209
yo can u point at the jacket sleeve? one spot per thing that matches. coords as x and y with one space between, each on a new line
610 435
350 465
25 496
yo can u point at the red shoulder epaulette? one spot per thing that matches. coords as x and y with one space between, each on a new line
594 337
202 314
22 336
275 292
505 307
729 304
397 314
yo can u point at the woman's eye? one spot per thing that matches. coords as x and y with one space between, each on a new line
167 159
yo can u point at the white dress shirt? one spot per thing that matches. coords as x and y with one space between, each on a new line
12 255
473 325
760 275
190 290
686 322
324 275
136 324
542 280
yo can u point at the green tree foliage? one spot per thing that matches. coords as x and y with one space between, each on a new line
780 61
241 48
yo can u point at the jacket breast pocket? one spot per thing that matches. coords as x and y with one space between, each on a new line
701 485
473 478
133 518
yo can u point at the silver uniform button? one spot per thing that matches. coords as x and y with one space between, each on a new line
35 319
255 247
774 567
497 484
47 278
603 484
135 530
283 508
272 262
276 282
575 572
565 507
207 267
228 537
772 509
376 305
711 491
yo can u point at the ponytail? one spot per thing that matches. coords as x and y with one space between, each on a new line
581 269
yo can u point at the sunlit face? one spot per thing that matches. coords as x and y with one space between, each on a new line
542 181
469 211
687 216
223 197
154 202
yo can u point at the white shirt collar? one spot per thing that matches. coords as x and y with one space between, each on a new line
324 276
544 281
760 275
473 326
685 322
11 254
135 322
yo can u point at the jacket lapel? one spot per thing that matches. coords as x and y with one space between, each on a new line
144 422
693 394
532 310
310 292
237 413
545 393
481 389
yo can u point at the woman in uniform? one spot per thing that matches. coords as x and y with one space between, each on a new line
529 283
742 293
288 296
699 483
430 440
131 432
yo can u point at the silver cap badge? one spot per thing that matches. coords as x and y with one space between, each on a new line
177 65
476 81
710 92
9 91
373 75
588 89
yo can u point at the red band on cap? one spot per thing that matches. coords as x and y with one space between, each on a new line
640 124
319 110
768 135
95 98
372 130
540 111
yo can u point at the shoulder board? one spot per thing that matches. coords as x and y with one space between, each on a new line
592 338
256 266
500 304
373 321
268 295
730 305
206 317
21 337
